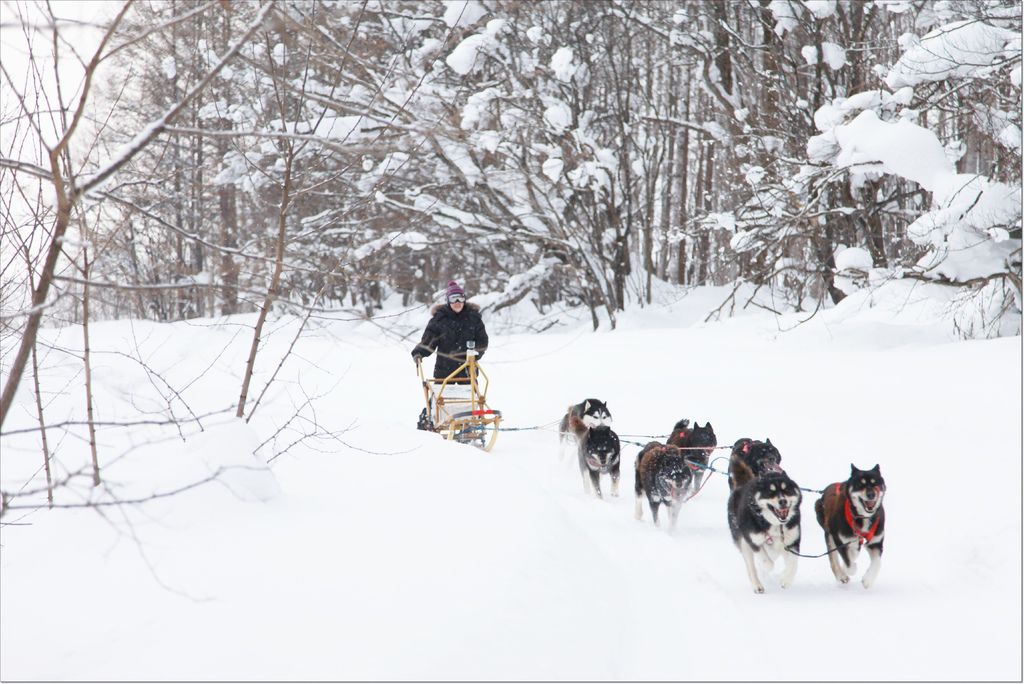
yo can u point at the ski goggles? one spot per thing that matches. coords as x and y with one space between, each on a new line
456 299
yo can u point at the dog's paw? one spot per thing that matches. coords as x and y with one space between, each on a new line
843 579
758 589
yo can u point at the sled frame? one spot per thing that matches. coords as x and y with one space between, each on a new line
463 419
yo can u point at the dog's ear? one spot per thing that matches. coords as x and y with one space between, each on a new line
586 405
853 471
768 441
708 426
876 470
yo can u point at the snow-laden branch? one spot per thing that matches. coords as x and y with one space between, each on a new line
156 127
173 21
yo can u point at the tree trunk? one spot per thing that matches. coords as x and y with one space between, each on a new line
86 359
275 281
684 192
28 339
39 398
228 238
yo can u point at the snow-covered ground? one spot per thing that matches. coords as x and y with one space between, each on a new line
391 554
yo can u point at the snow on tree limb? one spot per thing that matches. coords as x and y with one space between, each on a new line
147 134
958 50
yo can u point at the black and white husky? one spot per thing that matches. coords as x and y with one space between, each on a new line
591 412
852 516
598 451
764 519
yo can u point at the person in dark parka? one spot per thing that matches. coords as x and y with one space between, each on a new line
453 324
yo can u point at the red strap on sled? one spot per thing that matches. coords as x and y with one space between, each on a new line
481 412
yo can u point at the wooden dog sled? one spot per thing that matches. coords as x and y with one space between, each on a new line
456 407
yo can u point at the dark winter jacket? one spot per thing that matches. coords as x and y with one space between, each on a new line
448 332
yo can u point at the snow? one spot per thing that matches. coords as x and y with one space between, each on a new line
459 155
821 9
392 555
856 258
726 220
1010 137
956 50
965 207
835 112
169 67
476 105
463 12
414 240
552 168
754 175
463 59
853 268
562 65
558 116
895 6
227 450
786 15
340 128
833 55
903 148
489 140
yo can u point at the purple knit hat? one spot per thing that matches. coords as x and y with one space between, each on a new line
454 290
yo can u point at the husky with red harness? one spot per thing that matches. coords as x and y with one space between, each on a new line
852 516
697 443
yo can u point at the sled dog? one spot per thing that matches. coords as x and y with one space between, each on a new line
852 516
697 443
598 452
664 476
764 519
751 458
593 412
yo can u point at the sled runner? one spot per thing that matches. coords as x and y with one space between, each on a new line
456 407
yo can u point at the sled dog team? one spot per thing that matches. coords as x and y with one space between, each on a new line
764 502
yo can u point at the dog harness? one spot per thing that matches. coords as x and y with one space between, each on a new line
862 537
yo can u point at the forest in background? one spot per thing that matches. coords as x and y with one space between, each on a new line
309 155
